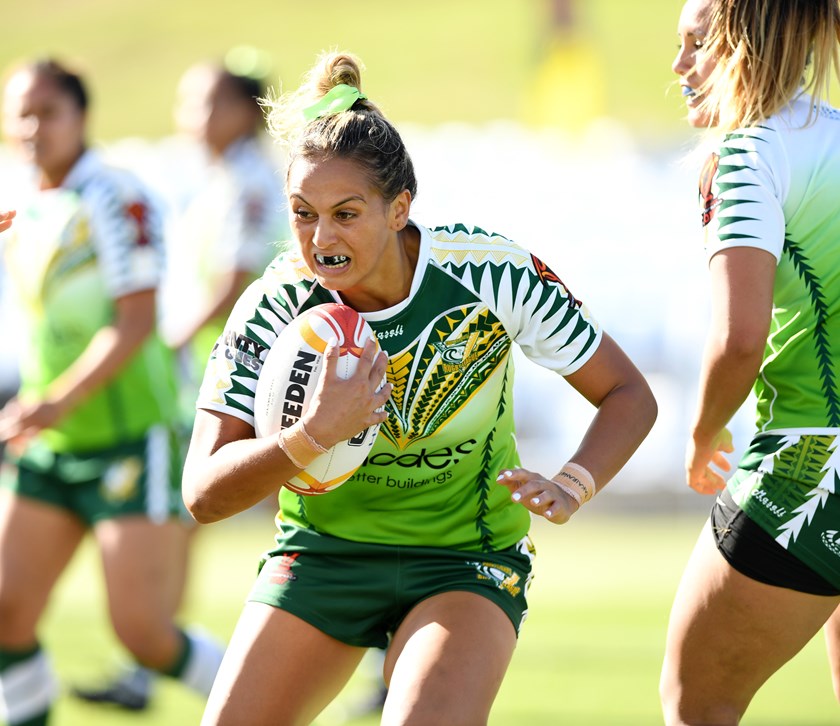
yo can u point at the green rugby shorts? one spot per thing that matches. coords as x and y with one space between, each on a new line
359 593
139 477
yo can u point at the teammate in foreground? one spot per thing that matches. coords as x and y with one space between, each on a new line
89 435
765 573
223 233
426 548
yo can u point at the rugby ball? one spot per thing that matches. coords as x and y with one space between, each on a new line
287 383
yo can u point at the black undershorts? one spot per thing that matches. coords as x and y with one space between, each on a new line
754 553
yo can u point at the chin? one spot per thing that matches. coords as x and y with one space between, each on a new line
698 120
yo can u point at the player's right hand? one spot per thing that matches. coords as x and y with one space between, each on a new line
700 456
341 408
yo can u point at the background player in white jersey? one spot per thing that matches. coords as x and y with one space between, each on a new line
230 225
225 226
765 573
425 550
89 437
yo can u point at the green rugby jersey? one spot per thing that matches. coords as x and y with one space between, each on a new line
430 478
776 186
71 252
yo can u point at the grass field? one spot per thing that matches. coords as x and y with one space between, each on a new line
430 62
589 654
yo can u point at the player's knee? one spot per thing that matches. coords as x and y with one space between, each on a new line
681 707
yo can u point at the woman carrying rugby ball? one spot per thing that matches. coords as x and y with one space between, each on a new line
426 548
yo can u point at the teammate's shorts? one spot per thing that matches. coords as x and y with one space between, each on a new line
754 553
359 593
140 477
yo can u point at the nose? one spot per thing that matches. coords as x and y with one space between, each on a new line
683 61
28 127
324 235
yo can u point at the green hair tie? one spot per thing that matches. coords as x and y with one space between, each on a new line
340 98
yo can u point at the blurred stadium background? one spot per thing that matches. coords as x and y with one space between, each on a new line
553 122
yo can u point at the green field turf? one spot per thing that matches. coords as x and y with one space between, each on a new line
589 654
430 62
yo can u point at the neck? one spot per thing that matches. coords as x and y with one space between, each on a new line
398 277
53 177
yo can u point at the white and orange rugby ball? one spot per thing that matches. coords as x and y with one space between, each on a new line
288 380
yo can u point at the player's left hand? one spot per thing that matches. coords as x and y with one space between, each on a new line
698 460
538 495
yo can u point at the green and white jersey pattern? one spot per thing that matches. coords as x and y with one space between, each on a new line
72 251
776 187
430 478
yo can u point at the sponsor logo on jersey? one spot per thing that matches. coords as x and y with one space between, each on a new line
708 201
242 349
436 459
547 276
761 497
280 569
503 577
831 539
390 333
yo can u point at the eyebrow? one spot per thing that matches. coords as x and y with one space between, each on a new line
352 198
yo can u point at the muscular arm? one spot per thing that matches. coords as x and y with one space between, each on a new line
742 301
625 415
228 470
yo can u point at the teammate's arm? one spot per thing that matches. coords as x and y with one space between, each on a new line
742 302
108 351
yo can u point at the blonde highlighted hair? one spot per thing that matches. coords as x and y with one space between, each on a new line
767 50
360 133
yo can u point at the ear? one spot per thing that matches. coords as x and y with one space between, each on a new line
399 210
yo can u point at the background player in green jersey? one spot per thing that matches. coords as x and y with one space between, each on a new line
765 573
426 549
89 436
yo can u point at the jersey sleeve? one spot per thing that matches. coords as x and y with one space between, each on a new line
552 327
127 231
742 191
261 313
